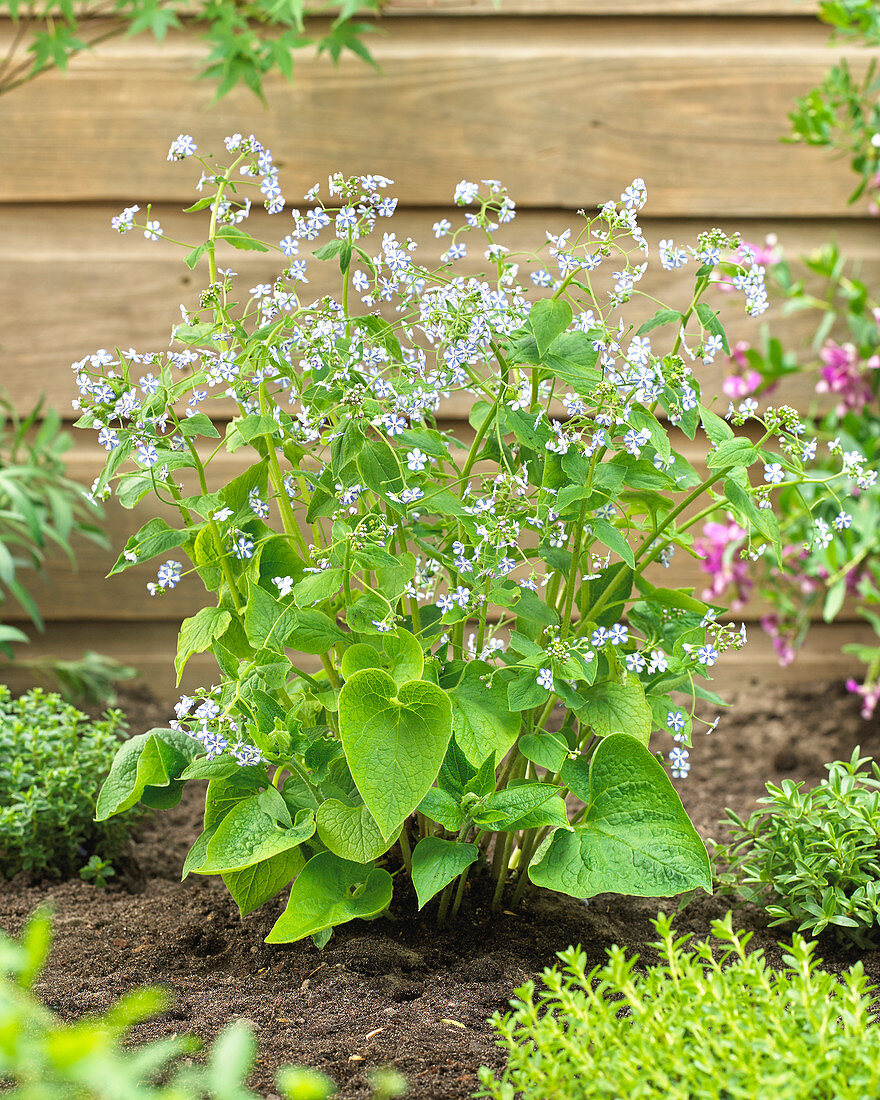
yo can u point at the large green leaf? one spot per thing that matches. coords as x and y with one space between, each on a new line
399 654
331 891
617 708
635 837
572 358
274 624
395 738
482 721
350 831
549 318
248 835
198 632
268 621
435 863
252 886
151 759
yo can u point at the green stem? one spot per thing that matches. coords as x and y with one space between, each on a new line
502 876
405 850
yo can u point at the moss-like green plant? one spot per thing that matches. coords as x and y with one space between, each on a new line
812 857
694 1025
52 761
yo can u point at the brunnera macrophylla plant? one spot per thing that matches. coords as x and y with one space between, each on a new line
489 658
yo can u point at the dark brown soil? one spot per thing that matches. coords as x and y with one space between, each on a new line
396 990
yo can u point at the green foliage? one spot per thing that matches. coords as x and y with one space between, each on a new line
52 761
97 871
43 1057
716 1025
840 361
39 506
456 593
812 857
245 40
843 112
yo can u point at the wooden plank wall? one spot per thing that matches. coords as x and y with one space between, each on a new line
565 100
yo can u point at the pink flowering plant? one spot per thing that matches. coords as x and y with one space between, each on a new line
831 550
437 646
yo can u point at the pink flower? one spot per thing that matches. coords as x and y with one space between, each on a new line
738 355
717 546
842 374
738 386
765 254
870 694
785 651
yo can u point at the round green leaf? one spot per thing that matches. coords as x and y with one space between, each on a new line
350 831
635 837
151 759
331 891
395 738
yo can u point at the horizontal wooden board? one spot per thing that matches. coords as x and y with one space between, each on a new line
565 110
70 285
151 647
595 7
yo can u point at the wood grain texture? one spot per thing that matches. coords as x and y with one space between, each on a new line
70 285
565 110
595 7
151 646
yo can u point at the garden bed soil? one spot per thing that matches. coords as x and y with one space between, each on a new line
397 990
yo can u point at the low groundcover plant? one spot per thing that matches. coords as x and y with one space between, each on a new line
725 1027
486 638
812 857
52 759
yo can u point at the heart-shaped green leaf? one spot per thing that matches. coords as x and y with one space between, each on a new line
331 891
248 835
252 886
482 721
399 654
394 739
549 317
435 863
350 831
617 708
151 759
635 837
197 634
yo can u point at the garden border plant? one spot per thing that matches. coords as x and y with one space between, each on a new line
721 1025
52 759
458 593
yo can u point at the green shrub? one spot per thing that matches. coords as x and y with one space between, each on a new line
811 857
691 1026
51 1059
52 761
